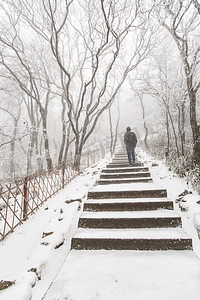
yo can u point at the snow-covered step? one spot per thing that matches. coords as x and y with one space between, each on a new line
124 180
127 212
136 190
120 158
131 239
121 152
130 219
123 165
125 169
127 204
124 175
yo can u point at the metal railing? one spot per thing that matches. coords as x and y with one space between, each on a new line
22 198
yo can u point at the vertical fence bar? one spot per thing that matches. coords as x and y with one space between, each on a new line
25 199
6 214
63 175
43 187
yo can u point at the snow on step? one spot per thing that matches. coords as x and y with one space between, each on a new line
126 187
133 204
130 219
124 169
121 157
131 239
124 160
131 190
128 200
134 215
122 164
124 180
130 214
125 175
147 233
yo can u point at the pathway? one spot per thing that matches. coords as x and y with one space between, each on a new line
128 215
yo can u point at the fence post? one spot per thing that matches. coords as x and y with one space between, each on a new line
63 175
25 196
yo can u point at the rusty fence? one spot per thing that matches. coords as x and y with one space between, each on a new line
22 198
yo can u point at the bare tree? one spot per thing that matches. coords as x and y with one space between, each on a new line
197 5
17 62
12 133
35 120
140 96
162 94
139 91
181 20
101 46
113 127
90 51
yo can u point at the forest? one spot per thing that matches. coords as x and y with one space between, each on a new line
75 73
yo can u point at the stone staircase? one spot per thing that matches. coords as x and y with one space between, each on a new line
126 211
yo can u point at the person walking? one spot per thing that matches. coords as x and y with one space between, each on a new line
130 141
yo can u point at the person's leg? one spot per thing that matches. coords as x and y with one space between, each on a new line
133 154
128 149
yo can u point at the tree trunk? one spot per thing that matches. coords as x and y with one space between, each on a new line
67 144
144 121
12 158
181 125
167 129
61 152
78 152
30 150
174 131
111 132
38 153
46 143
195 127
77 160
116 129
12 148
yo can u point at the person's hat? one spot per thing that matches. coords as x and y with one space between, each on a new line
128 128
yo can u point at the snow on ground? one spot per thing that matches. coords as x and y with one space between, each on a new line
187 205
127 275
41 245
138 275
34 253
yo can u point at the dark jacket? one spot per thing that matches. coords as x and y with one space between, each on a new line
130 139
